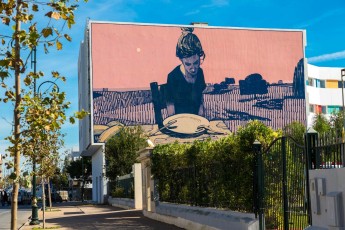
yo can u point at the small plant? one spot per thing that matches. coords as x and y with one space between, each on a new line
54 227
118 192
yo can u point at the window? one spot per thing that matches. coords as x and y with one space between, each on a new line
324 109
340 84
318 109
331 84
322 83
311 108
310 81
333 109
317 83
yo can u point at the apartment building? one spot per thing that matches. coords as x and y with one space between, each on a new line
324 91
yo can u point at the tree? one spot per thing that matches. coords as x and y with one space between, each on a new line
121 150
256 130
26 30
296 130
80 168
321 124
76 169
337 121
60 179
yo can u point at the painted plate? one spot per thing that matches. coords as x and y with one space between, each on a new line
186 123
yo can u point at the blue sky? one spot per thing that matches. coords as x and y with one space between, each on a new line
323 21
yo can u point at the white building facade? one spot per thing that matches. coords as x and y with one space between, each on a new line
324 91
87 145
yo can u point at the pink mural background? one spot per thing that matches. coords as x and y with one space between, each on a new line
131 56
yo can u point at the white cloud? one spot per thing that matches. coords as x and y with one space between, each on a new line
116 10
192 12
328 57
211 4
320 18
216 3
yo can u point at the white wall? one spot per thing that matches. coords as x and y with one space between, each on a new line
99 187
324 73
198 218
324 96
84 95
324 185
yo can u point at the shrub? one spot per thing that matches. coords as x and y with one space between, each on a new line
211 173
118 192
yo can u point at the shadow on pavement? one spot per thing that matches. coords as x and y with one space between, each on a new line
74 215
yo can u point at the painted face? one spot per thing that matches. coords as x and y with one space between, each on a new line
191 64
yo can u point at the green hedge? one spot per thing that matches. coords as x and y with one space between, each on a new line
211 173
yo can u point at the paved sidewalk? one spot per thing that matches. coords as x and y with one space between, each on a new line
76 215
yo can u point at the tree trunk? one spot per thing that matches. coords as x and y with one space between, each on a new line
43 202
16 133
49 194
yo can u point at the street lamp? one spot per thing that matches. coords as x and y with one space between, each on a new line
34 207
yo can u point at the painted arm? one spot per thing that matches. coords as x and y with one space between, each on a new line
201 109
170 108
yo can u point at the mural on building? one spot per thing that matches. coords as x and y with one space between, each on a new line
186 83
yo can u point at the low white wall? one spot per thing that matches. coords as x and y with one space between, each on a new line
121 202
327 189
195 218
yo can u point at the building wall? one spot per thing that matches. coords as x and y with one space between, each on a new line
251 74
324 91
98 176
119 61
84 95
324 185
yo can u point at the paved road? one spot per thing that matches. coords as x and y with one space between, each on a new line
71 215
24 212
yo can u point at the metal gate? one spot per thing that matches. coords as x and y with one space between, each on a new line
282 197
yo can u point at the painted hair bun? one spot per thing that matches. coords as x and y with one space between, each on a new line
187 30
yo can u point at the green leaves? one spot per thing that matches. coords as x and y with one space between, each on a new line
68 38
53 14
9 94
81 114
46 32
6 21
35 8
13 176
121 150
72 120
321 124
58 45
27 81
3 75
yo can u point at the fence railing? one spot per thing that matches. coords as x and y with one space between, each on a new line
327 151
123 187
208 185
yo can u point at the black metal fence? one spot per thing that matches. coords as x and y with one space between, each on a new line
209 185
327 151
281 177
123 187
282 198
